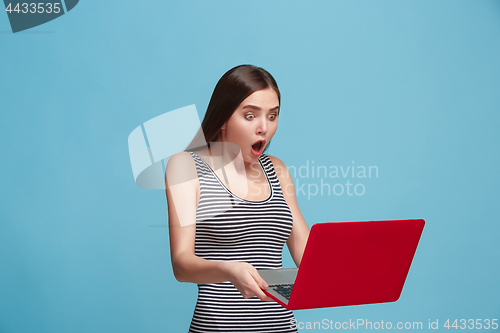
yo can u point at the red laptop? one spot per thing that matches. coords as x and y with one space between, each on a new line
348 263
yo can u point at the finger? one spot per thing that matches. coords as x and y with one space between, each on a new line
262 295
268 299
260 281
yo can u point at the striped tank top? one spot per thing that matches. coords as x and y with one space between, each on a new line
229 228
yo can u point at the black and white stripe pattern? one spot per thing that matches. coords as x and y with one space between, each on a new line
233 229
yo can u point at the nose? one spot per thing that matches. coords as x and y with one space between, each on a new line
262 126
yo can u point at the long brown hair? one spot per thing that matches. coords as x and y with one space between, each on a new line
233 87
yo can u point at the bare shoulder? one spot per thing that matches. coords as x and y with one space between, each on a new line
276 161
182 157
280 169
181 160
180 168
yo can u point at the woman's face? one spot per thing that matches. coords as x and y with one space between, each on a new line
253 123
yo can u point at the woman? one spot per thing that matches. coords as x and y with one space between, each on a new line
231 208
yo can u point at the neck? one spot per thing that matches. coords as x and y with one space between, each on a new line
223 154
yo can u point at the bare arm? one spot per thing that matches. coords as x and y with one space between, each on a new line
300 231
182 187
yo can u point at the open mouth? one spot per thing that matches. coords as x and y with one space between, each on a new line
258 147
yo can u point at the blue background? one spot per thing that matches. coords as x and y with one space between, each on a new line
411 87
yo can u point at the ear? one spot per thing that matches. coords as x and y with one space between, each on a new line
224 126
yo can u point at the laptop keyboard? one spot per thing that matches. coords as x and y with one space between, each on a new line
283 289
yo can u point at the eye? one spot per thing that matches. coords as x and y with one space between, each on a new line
272 116
249 116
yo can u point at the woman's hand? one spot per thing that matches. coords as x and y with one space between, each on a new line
247 280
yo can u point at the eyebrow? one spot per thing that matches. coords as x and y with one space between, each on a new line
254 107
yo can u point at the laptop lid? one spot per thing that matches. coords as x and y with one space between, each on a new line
350 263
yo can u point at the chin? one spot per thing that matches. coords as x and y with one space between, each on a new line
251 158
